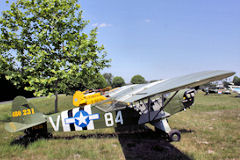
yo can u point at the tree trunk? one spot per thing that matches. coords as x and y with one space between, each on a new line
56 102
56 97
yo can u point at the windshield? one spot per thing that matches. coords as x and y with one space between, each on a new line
110 104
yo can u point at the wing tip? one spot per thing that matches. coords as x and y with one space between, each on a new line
10 127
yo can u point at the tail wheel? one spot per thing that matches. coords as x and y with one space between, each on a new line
174 135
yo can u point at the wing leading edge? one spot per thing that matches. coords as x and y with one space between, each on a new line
174 84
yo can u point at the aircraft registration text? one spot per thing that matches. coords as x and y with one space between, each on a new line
24 112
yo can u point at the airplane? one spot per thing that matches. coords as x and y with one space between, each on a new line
216 90
124 107
235 89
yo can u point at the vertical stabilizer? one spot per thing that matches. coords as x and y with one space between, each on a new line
24 112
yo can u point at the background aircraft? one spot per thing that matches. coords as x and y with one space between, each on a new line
125 107
235 89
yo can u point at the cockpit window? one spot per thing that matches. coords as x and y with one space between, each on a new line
110 104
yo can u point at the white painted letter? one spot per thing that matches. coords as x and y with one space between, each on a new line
55 127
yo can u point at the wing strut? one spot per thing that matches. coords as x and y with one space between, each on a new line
149 103
165 104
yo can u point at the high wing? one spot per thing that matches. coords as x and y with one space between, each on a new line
133 93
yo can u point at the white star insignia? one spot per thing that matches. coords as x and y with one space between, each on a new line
82 119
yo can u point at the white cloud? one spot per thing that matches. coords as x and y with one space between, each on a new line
101 25
147 20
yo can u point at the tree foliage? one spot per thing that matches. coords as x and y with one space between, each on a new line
209 85
99 82
44 47
118 82
10 91
226 84
236 80
108 77
138 79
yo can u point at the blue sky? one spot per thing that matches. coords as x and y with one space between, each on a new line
161 39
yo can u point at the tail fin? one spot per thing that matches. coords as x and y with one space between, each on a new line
24 115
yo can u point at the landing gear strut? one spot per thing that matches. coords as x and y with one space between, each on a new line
163 127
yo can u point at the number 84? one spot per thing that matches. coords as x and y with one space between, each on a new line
109 118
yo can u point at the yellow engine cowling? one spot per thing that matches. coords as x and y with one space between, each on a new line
79 99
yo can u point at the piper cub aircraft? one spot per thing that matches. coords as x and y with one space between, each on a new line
127 106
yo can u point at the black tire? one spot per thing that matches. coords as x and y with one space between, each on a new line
174 135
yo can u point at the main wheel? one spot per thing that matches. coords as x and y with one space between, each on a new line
174 135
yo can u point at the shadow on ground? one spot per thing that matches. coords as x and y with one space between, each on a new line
186 131
27 140
147 144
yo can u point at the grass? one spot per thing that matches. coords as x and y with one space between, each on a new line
215 123
210 130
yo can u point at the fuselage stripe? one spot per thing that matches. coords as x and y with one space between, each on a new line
64 116
70 115
88 109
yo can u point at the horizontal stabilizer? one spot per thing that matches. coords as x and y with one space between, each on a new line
16 126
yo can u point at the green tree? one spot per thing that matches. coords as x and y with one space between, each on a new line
236 80
46 49
226 84
108 77
99 82
138 79
118 82
209 85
